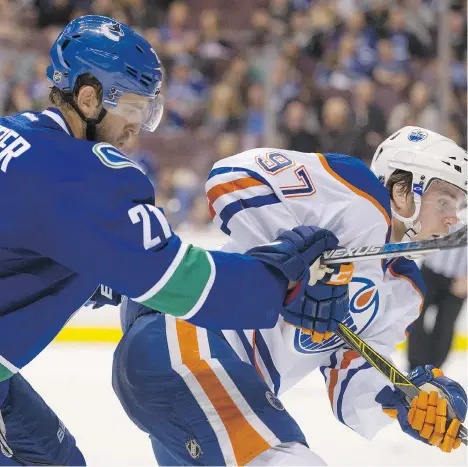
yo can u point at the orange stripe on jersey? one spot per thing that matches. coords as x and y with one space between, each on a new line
356 190
224 188
415 287
212 211
348 356
246 442
395 274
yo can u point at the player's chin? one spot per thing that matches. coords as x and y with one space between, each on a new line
429 235
123 146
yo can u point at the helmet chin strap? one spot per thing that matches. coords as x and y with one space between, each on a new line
412 227
90 122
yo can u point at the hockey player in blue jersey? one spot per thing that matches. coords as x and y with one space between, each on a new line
77 213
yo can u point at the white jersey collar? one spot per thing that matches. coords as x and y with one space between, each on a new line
58 118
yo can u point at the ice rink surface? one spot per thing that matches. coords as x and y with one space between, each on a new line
75 380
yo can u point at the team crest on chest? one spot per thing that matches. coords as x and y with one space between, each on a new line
363 307
111 157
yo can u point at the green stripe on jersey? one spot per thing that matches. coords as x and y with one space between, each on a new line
7 370
188 284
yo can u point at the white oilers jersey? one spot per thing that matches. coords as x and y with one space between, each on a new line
255 195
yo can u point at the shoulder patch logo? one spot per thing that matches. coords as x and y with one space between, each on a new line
112 157
193 448
274 401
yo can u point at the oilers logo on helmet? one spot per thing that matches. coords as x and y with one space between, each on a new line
112 31
363 308
417 135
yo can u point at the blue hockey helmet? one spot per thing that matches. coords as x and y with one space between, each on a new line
121 60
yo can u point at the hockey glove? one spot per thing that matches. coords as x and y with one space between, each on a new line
317 308
294 251
104 296
425 418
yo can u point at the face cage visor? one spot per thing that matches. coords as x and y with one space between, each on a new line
142 111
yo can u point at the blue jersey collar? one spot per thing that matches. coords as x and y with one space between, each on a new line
59 119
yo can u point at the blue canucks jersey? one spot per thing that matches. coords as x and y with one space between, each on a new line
76 214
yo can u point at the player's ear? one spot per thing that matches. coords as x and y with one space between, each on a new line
88 102
402 199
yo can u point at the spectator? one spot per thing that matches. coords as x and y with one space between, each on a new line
377 16
457 21
405 43
365 38
184 98
337 135
420 19
215 72
346 70
280 10
153 36
389 71
6 85
227 144
54 12
102 7
255 53
225 109
237 76
139 13
370 120
39 87
418 111
286 82
321 26
186 185
172 34
254 116
458 72
212 48
17 98
296 137
299 28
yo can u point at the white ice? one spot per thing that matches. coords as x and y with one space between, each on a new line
75 380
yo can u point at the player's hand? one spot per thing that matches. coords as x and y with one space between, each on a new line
318 307
426 417
294 251
104 296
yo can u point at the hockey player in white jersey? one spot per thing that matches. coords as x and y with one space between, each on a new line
210 398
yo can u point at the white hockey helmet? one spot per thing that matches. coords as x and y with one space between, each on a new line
428 156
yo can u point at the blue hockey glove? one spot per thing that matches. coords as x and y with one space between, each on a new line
294 251
104 296
318 309
425 418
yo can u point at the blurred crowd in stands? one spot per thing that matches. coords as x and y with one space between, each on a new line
344 75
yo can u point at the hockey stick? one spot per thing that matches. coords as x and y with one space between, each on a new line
388 370
392 250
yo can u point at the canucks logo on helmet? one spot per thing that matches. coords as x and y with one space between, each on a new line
112 31
417 135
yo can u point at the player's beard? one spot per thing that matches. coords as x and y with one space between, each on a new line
112 131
